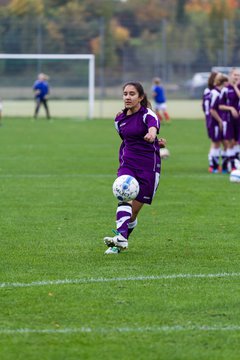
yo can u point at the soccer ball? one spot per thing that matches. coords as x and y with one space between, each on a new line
237 164
125 188
235 176
164 153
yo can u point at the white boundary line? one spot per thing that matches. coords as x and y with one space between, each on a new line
3 176
116 279
31 176
153 329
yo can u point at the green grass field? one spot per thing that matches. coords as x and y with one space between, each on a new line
173 295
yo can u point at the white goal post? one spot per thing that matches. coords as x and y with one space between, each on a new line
91 69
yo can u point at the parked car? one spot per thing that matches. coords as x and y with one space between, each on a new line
197 84
222 69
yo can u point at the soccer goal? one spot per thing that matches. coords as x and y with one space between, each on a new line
72 80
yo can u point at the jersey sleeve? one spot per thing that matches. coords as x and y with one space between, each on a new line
214 100
223 97
151 120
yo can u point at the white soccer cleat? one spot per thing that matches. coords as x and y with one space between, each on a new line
118 241
112 250
108 241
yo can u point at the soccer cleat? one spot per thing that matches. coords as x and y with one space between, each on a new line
108 241
118 241
112 250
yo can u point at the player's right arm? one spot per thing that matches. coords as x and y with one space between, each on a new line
215 115
229 108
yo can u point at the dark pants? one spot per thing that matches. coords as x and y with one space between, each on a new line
38 104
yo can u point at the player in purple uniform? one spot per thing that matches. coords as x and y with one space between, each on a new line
41 91
216 122
230 106
139 157
206 100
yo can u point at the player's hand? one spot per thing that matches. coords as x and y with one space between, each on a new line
220 125
162 142
149 137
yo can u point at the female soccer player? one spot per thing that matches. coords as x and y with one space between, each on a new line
216 124
229 104
206 101
139 157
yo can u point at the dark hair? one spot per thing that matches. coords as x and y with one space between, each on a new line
145 102
211 80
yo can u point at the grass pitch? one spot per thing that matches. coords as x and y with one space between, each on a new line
173 295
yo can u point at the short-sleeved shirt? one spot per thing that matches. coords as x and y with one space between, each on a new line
224 100
214 130
159 97
233 99
206 100
215 101
135 152
42 87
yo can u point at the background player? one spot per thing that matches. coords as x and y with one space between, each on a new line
160 104
41 91
216 123
206 101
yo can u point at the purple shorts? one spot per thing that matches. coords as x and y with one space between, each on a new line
227 133
148 183
214 132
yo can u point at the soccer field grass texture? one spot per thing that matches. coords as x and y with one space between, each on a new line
173 295
187 109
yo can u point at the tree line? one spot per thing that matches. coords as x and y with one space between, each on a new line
171 37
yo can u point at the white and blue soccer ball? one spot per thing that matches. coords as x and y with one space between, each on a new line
125 188
235 176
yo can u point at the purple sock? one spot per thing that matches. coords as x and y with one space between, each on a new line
123 216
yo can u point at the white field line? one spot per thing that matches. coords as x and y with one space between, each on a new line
116 279
150 329
32 176
42 176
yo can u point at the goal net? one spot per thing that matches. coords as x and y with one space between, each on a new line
71 80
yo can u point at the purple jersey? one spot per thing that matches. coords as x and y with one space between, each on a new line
232 97
135 152
215 100
223 100
206 100
214 130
